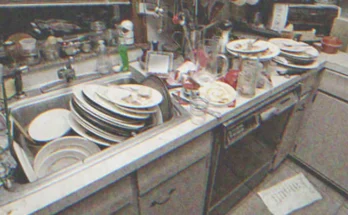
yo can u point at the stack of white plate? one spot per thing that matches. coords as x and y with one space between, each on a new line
248 48
296 55
110 114
61 153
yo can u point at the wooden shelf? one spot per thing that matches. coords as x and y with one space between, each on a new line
54 3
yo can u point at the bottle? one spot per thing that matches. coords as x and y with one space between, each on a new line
103 61
123 51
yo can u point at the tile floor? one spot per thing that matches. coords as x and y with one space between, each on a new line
332 202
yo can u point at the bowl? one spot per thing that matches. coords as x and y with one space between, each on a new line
331 44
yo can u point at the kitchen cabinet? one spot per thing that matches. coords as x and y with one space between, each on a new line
322 140
176 183
309 86
118 198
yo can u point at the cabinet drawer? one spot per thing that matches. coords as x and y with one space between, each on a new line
170 164
108 200
335 84
182 194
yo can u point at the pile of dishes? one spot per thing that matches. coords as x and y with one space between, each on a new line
253 49
110 114
296 55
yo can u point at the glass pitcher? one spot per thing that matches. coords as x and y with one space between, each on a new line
209 59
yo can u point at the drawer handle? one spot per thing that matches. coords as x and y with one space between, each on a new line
154 203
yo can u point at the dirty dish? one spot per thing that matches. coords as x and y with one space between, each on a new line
287 63
90 91
24 162
131 95
204 78
49 125
247 46
289 45
218 93
266 55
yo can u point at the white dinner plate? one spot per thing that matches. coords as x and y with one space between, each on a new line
68 142
131 95
90 127
49 125
131 124
218 93
84 133
283 61
90 91
24 162
241 46
59 160
270 53
289 45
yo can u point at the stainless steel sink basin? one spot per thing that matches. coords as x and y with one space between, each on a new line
26 110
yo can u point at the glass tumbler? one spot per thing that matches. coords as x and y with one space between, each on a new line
198 108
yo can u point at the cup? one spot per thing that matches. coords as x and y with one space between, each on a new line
208 57
198 108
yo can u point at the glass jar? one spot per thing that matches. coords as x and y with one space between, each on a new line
247 78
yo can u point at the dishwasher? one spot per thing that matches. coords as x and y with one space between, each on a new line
244 149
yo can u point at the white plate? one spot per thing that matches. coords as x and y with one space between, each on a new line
138 96
289 45
59 160
241 46
270 53
24 162
218 93
102 116
284 62
49 125
93 129
84 133
78 143
138 110
90 91
203 78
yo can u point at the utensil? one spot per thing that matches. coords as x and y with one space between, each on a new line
22 130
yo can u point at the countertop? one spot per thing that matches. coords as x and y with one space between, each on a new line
122 163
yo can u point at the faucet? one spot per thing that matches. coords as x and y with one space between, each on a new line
67 72
16 73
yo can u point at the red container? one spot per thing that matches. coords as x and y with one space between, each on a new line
331 44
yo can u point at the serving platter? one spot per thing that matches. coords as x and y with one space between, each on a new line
266 55
284 62
90 91
113 121
24 162
49 125
86 134
242 46
95 130
218 93
131 95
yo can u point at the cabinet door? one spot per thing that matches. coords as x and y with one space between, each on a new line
183 194
323 139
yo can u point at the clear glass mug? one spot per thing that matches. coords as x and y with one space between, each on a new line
208 57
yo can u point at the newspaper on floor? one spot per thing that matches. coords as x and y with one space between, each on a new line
289 195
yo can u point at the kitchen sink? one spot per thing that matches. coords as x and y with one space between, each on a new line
25 110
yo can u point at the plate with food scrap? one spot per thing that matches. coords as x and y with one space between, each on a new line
131 95
247 46
218 93
268 54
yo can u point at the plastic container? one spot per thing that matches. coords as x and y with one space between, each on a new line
331 44
28 44
103 61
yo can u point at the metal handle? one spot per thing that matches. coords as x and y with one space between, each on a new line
154 203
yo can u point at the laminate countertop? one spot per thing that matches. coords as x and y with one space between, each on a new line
127 161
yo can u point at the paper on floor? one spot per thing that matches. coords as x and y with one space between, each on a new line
289 195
